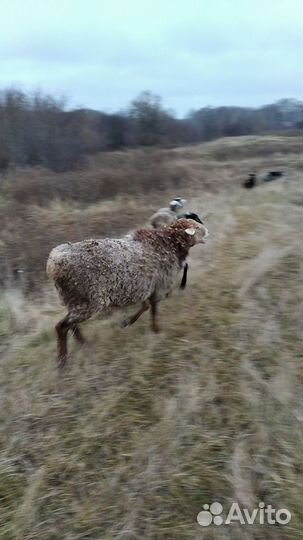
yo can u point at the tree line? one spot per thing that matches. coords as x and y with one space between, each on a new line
38 129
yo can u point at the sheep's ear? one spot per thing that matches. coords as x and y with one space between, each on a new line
191 231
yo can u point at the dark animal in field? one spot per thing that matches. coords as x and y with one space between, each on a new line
273 175
251 181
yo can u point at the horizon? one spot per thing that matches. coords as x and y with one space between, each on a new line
68 107
289 99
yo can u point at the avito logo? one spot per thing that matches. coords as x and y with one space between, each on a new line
212 514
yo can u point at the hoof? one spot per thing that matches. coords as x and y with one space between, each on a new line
61 362
126 322
82 341
77 334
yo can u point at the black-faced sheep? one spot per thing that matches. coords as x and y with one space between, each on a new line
97 276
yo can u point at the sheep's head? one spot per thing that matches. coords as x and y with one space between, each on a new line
177 203
194 232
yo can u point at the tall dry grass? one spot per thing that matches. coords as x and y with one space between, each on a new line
142 430
118 191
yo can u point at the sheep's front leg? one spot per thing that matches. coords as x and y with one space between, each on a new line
135 317
184 277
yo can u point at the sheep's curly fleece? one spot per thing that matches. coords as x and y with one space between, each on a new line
99 275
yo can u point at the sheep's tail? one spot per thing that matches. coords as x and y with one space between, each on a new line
55 262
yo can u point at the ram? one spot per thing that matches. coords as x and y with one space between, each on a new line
166 216
98 276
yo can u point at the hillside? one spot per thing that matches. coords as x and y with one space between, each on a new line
141 431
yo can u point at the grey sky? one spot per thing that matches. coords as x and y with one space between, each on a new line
102 53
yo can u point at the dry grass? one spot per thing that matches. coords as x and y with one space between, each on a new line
118 191
142 430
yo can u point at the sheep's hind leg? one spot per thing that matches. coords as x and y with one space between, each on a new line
78 334
69 322
154 312
135 317
61 331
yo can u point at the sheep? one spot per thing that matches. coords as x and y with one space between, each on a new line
252 179
195 217
166 216
97 276
159 220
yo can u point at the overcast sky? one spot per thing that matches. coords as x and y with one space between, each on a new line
102 53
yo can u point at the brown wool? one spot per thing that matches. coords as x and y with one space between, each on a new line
97 276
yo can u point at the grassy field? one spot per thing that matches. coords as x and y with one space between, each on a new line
142 430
